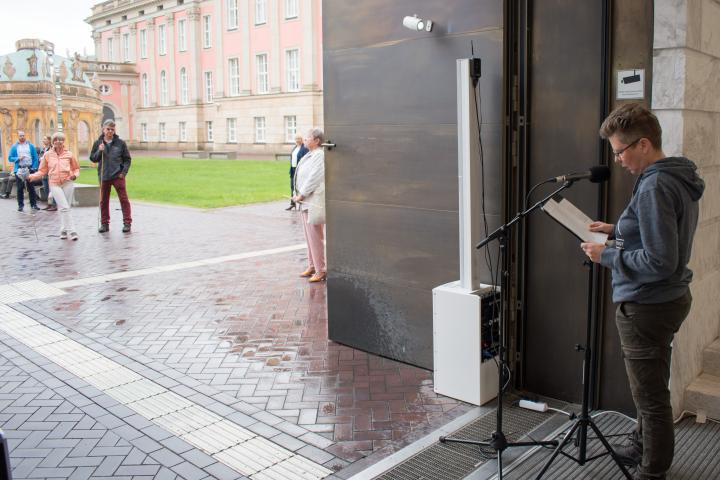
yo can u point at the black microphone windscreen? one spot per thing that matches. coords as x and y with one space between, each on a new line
599 173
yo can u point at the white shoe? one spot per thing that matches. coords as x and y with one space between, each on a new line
63 235
73 236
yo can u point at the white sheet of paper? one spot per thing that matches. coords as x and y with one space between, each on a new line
572 218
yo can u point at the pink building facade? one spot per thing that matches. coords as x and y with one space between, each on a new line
236 76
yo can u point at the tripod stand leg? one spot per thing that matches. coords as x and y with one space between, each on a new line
610 450
557 451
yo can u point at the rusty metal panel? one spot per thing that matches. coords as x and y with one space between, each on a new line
392 181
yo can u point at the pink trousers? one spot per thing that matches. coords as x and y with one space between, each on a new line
314 236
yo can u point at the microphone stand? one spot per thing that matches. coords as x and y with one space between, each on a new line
498 440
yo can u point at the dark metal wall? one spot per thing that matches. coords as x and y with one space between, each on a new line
392 185
566 90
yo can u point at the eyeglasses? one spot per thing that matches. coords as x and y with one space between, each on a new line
621 151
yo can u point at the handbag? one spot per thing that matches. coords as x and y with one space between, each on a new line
316 209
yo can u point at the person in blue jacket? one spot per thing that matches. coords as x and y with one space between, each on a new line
298 151
648 254
25 159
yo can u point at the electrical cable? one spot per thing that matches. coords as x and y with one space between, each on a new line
613 412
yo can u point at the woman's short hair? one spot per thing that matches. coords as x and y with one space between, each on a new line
318 134
631 122
57 135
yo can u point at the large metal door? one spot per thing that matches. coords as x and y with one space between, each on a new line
392 181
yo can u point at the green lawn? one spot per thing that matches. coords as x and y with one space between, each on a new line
202 183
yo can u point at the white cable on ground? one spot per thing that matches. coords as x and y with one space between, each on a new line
607 412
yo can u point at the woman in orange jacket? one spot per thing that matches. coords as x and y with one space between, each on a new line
62 169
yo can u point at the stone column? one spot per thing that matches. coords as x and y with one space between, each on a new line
246 55
133 43
170 43
275 57
194 42
217 45
307 70
98 45
117 46
152 55
686 82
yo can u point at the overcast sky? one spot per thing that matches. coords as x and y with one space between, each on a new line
60 22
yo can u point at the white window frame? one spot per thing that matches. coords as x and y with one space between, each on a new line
184 88
110 49
126 47
290 128
182 132
292 70
260 12
207 77
163 88
234 76
162 39
261 73
182 35
291 9
145 85
260 128
209 131
232 14
143 43
207 31
143 132
231 130
162 132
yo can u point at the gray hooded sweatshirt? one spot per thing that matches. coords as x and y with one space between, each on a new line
654 234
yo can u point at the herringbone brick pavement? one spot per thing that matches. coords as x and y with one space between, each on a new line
250 328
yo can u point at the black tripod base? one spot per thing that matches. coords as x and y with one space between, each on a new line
582 425
499 443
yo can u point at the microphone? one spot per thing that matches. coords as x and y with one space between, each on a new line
597 174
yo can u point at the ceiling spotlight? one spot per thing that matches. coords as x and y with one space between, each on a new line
415 23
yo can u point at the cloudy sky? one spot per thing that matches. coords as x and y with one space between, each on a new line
61 23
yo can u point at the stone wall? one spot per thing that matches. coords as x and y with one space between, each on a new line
686 99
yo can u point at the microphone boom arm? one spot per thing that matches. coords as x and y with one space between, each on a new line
500 231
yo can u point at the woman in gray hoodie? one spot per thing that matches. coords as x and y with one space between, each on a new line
648 253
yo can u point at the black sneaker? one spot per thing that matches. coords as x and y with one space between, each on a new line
20 209
104 228
126 228
35 207
630 453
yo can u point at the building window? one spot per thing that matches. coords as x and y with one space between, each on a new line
292 70
207 32
184 97
209 131
208 87
182 38
163 134
231 130
110 50
145 90
126 47
260 16
234 76
162 45
104 89
143 43
163 88
290 128
182 131
232 18
143 132
261 66
291 8
259 129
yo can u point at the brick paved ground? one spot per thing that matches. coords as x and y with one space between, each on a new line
246 338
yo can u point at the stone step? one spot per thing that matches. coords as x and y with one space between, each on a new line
86 195
711 358
703 394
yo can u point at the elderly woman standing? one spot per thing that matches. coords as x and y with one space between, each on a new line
310 195
62 169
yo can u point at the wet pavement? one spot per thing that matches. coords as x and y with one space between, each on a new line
209 306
